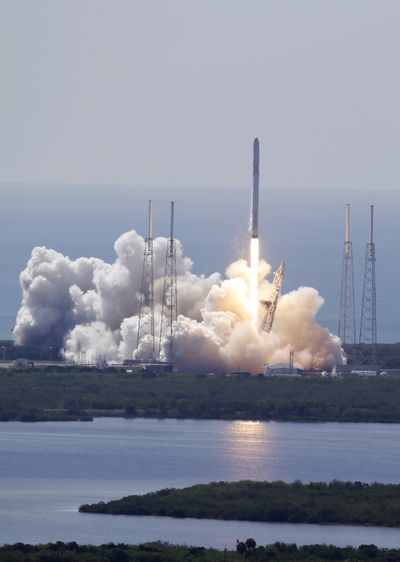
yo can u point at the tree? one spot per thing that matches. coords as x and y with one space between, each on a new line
250 544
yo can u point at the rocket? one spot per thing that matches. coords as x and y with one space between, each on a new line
254 199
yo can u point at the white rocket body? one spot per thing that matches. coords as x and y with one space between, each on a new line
254 200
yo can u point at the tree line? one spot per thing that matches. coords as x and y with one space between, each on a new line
44 395
161 552
49 394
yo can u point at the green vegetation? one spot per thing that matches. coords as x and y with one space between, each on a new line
158 552
344 503
52 394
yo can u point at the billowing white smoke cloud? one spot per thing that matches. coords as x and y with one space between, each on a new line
90 309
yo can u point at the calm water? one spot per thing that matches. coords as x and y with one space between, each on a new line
48 469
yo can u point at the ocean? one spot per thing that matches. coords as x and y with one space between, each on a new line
304 228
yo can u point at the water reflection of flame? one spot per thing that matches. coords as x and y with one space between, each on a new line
249 446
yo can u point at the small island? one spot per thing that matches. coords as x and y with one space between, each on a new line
344 503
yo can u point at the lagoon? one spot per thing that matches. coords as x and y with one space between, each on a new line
48 469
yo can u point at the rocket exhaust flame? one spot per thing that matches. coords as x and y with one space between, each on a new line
254 242
254 300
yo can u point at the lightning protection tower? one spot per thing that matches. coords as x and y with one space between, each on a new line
146 310
347 320
368 309
170 293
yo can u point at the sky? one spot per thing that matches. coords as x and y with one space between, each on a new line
107 103
171 92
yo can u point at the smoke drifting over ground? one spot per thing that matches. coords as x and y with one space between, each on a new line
87 306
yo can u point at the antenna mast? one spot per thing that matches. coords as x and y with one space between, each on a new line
347 320
146 310
170 293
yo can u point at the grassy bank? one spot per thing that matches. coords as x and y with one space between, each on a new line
343 503
157 552
45 395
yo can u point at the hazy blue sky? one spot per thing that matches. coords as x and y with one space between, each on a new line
171 92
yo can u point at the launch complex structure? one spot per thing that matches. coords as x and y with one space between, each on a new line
347 319
169 309
169 306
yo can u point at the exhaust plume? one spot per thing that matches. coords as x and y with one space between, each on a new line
89 307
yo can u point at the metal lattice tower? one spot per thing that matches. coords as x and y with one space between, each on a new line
347 318
146 310
368 309
170 293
